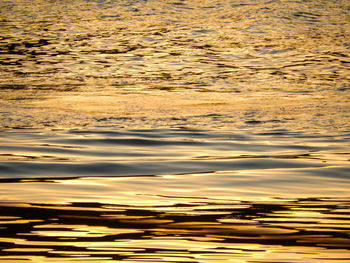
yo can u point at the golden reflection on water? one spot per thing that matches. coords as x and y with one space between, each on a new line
271 197
164 109
162 64
253 231
262 176
105 219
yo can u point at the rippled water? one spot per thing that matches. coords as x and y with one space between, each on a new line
174 131
174 195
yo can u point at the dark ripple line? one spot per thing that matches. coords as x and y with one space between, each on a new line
28 169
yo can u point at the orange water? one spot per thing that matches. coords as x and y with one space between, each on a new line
174 131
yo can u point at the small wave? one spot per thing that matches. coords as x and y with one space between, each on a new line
152 152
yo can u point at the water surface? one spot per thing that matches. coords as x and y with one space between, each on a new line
174 131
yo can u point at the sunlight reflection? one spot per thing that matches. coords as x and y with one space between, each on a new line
174 131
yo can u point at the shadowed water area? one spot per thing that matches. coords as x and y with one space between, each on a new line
175 131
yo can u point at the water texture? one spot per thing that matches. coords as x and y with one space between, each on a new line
170 63
174 195
175 131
